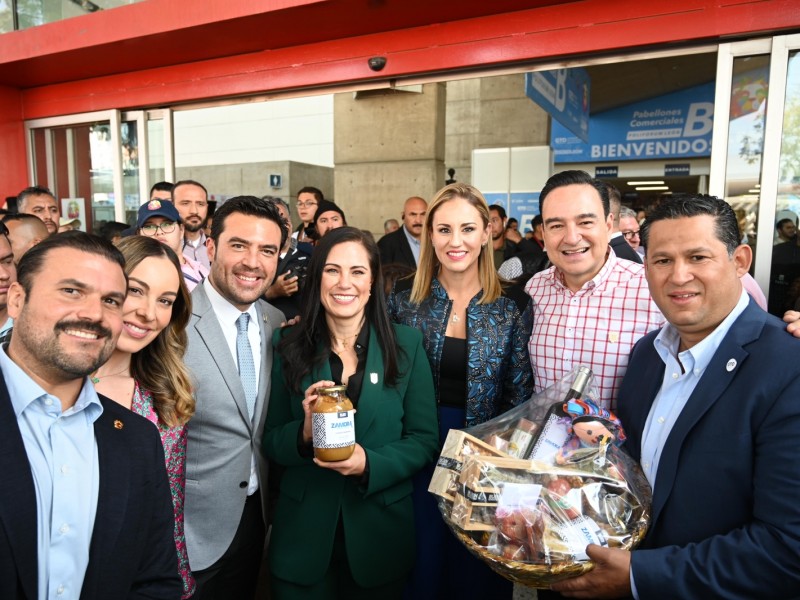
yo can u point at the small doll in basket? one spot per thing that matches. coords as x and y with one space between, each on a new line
590 426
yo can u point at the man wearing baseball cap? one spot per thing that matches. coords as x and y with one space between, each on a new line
160 219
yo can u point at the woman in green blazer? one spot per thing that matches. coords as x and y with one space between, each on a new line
346 529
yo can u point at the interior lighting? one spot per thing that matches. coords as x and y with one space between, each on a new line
652 188
635 183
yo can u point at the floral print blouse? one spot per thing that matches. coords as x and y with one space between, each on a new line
174 441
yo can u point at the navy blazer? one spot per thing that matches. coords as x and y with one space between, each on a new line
394 248
132 550
726 503
624 250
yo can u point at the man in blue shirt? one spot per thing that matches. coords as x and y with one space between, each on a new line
85 509
710 406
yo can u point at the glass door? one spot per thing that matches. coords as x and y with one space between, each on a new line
97 164
755 160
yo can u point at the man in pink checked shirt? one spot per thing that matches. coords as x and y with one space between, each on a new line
590 307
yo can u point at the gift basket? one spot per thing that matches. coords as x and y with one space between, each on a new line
526 492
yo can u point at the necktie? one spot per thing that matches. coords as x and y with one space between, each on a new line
247 369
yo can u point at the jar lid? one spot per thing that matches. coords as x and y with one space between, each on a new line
334 389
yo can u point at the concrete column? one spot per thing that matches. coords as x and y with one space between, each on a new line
388 145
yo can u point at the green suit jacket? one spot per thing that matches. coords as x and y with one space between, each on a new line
397 427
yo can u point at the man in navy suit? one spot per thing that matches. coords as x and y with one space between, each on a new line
711 406
85 506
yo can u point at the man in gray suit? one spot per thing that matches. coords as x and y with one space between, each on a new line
230 356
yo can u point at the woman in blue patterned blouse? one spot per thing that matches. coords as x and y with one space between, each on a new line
475 334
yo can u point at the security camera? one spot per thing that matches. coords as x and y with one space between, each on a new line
376 63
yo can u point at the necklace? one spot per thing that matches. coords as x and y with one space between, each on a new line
455 318
96 379
344 341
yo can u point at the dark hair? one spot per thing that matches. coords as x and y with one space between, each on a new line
726 226
783 222
311 190
32 261
537 220
189 182
308 344
250 206
111 229
498 209
512 221
575 178
163 186
35 190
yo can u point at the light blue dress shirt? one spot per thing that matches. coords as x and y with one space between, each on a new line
681 375
414 243
62 452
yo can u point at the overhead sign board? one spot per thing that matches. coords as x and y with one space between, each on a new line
676 125
564 94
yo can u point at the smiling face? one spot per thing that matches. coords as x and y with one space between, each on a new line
152 289
43 206
576 232
458 234
69 323
244 258
346 283
691 277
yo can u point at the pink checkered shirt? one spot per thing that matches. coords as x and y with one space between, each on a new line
597 326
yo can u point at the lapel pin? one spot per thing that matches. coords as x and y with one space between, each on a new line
118 424
731 365
373 377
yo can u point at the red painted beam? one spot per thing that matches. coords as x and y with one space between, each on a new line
158 33
13 168
545 33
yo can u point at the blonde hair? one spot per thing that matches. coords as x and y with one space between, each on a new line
429 264
159 366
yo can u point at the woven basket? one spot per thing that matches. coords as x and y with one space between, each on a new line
531 574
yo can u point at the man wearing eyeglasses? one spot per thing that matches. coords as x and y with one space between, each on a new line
160 219
308 199
629 227
620 237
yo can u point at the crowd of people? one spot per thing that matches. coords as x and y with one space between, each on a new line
221 329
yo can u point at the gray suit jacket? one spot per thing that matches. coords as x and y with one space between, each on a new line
221 437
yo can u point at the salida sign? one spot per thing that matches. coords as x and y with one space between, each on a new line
677 125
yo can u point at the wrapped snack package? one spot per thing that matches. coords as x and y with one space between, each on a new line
527 491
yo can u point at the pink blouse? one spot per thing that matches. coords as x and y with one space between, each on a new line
174 441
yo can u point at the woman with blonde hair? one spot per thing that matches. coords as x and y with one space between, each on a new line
475 332
146 372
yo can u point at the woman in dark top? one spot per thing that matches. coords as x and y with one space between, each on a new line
476 336
345 529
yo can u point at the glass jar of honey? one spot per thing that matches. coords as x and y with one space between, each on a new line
333 425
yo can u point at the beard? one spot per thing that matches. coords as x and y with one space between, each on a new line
47 347
194 228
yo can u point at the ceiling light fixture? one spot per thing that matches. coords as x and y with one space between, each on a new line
635 183
652 188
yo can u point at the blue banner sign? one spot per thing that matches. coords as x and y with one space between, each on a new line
564 95
676 125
